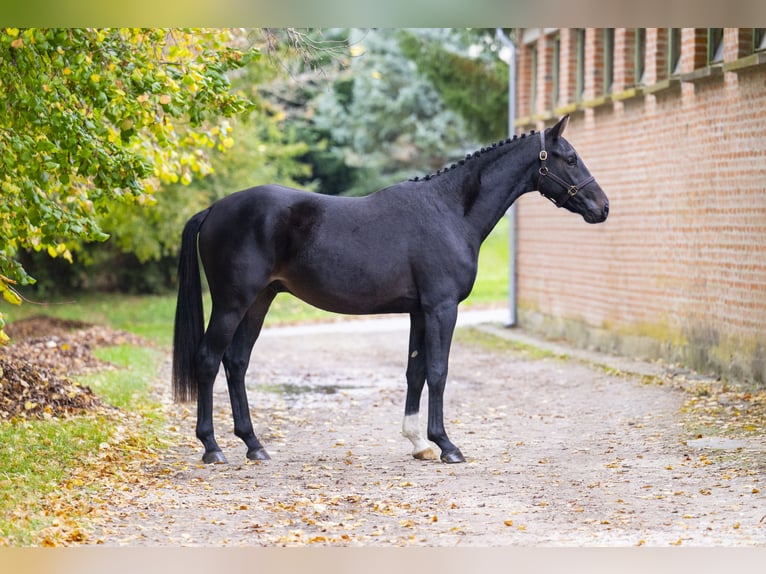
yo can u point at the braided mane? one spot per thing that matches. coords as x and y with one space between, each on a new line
473 155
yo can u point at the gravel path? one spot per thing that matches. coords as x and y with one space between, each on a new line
575 451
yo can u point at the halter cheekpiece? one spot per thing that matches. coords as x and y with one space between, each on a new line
571 189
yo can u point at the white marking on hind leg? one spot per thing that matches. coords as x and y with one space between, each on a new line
411 429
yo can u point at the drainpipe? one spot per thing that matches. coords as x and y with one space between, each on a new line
512 289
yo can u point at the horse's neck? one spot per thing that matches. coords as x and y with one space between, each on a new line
505 175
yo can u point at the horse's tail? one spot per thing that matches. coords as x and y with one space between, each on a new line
189 324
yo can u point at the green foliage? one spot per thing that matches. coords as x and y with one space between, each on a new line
474 87
98 117
140 256
383 117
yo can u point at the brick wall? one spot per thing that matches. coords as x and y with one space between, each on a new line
679 268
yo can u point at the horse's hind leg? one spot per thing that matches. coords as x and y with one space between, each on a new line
416 378
235 362
220 331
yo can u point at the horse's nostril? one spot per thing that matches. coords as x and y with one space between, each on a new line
606 209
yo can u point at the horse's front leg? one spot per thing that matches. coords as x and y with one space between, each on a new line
439 327
416 379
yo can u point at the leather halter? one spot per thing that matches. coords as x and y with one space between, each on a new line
571 190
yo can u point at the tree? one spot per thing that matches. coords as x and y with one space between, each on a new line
94 117
385 117
473 85
394 103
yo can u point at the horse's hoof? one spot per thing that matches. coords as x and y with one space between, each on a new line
258 454
453 457
426 454
214 457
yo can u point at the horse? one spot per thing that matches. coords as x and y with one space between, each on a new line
411 248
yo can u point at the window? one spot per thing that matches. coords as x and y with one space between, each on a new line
533 86
580 78
759 39
555 70
640 54
714 45
674 53
608 59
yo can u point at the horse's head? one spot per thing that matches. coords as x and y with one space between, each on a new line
564 179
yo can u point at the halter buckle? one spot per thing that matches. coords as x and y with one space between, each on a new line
543 155
572 190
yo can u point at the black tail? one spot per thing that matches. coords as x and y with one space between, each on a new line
190 322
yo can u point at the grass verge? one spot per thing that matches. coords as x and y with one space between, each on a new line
54 472
477 337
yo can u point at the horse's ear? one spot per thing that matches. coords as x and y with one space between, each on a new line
558 129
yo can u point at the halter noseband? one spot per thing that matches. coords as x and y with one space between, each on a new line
545 172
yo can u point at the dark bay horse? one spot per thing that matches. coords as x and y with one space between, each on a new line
409 248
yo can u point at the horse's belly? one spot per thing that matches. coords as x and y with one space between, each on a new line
354 297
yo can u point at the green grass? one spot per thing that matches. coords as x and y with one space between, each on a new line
130 386
491 285
479 338
38 457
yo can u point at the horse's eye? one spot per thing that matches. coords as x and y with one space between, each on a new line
572 160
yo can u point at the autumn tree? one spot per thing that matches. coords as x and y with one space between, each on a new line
97 117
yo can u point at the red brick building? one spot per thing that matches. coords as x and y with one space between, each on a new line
672 123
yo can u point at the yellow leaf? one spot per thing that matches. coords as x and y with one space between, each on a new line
10 295
508 522
164 99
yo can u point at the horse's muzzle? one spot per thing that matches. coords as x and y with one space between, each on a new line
597 215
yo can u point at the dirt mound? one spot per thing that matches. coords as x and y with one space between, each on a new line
31 391
45 352
42 326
